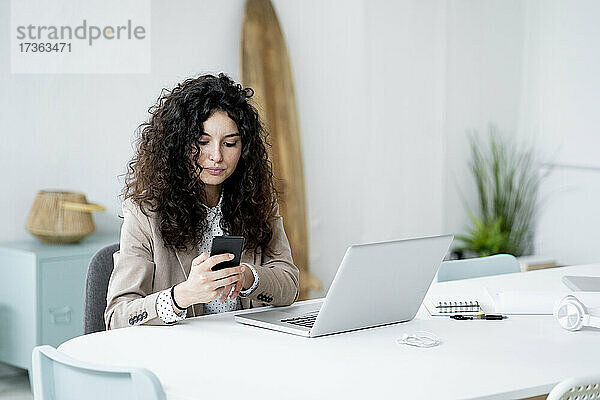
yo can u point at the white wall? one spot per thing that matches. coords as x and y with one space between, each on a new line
560 97
75 131
385 91
530 67
568 227
403 157
326 49
361 121
483 86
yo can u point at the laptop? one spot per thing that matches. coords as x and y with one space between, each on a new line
376 284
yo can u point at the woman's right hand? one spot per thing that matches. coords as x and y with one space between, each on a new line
203 284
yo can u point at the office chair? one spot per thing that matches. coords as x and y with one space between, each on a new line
57 376
96 286
476 267
583 387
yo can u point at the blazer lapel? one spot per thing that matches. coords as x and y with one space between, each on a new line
185 259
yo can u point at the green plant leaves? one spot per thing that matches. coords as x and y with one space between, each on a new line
507 179
484 238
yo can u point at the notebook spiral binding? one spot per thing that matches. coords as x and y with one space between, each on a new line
458 306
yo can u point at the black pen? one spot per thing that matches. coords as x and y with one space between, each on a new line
493 317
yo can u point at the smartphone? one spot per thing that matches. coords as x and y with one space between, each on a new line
227 244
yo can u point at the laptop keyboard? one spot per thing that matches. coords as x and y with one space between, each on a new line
306 320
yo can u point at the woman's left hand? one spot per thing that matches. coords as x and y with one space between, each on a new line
244 283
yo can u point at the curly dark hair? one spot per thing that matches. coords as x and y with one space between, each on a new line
164 178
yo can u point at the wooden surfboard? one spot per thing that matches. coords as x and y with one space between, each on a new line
265 67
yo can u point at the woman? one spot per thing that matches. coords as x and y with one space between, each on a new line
201 170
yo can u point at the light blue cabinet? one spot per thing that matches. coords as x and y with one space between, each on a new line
41 294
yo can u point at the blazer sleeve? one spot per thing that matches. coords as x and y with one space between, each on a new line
278 282
129 299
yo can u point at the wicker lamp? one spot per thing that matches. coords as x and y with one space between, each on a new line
61 217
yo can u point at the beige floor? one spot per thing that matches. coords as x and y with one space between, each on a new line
15 387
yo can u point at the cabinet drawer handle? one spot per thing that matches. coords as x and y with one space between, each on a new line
61 315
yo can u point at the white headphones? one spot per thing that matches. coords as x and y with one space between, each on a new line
420 339
572 314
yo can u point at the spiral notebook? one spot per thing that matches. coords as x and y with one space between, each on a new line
449 307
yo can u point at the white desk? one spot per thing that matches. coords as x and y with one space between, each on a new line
214 357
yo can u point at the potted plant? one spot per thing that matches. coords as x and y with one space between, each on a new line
507 177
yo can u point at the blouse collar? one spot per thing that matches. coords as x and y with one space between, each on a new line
218 206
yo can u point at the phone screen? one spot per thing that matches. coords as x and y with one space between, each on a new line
227 244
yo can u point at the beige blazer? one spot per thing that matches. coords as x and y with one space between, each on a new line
143 267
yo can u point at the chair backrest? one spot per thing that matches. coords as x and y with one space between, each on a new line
583 387
57 376
476 267
96 286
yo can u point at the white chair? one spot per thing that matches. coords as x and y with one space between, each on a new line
477 267
57 376
580 388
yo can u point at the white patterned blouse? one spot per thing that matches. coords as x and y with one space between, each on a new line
164 302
